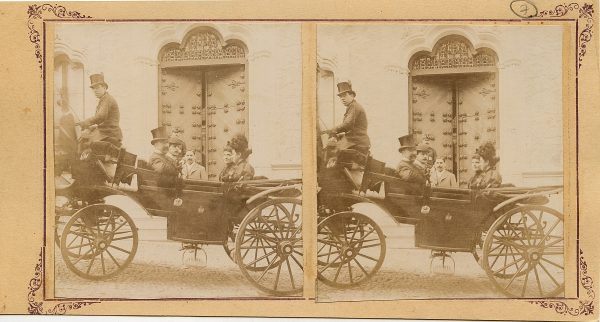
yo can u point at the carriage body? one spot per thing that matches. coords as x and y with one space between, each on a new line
266 214
509 225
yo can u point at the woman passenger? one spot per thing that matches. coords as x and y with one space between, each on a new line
235 155
486 176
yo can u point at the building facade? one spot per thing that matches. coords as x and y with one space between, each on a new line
204 81
458 86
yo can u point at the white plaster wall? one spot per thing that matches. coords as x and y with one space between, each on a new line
127 54
375 58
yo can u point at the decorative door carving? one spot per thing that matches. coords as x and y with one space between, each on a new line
432 113
181 108
227 112
477 118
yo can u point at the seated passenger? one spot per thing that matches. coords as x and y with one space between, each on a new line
406 169
440 177
191 169
160 142
167 165
486 176
236 155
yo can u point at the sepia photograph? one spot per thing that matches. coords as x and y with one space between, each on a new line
440 162
177 150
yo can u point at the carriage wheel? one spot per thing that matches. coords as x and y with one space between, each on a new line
62 209
523 253
99 241
350 249
268 246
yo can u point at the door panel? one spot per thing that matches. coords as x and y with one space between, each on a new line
227 112
432 113
181 106
477 106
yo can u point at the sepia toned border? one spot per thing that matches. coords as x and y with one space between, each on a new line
582 14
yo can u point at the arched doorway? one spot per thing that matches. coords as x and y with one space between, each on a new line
202 93
453 101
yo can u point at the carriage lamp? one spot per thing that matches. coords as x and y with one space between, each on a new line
425 210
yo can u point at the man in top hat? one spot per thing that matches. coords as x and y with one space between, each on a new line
355 120
160 142
107 116
406 169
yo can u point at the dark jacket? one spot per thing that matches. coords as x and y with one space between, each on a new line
355 125
488 178
107 118
409 172
167 168
240 171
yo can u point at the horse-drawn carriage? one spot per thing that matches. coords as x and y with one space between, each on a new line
258 222
515 238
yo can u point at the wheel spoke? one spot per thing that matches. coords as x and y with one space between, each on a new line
515 275
113 258
337 273
350 272
266 269
102 261
122 238
107 222
82 256
524 284
329 264
369 257
261 258
277 277
537 278
552 263
287 260
297 261
91 263
361 267
80 246
549 275
508 265
119 248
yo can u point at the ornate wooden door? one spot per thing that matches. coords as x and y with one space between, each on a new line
181 108
227 112
432 113
477 119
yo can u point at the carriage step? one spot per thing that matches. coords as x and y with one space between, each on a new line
442 263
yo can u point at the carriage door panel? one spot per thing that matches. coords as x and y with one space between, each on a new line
432 113
227 112
181 104
477 120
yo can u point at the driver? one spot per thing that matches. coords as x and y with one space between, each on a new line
107 116
355 120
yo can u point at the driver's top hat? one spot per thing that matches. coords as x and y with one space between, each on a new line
97 79
345 87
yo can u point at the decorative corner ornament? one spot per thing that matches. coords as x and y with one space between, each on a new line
585 307
36 305
35 12
586 12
